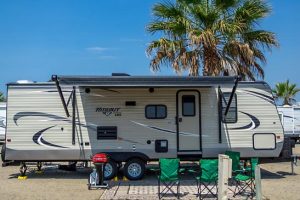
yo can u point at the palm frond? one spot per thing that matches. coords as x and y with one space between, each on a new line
286 92
219 36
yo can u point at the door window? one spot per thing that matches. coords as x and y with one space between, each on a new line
188 105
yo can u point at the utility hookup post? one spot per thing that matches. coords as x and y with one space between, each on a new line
224 174
258 189
96 179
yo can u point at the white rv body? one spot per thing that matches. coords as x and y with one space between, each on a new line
2 121
110 115
290 118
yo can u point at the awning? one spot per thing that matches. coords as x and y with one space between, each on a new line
143 81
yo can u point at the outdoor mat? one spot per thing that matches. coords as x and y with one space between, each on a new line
149 189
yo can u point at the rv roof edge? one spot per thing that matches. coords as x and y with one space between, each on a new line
145 81
120 74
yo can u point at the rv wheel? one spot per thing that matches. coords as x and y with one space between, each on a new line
110 170
134 169
3 153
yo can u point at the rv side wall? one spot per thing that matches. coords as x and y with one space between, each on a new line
114 120
2 121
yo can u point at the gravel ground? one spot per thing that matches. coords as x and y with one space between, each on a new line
277 183
277 180
52 184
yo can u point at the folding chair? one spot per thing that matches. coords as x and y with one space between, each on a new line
235 157
169 177
208 178
246 180
236 168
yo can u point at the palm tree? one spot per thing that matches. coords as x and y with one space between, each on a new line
286 92
220 36
2 97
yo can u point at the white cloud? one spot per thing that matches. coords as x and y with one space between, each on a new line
96 49
101 53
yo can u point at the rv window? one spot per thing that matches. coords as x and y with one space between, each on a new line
188 105
156 111
231 116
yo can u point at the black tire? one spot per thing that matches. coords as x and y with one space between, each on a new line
293 142
114 170
3 153
119 164
134 169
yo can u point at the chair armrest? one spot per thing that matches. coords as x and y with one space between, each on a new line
181 170
154 169
247 169
238 171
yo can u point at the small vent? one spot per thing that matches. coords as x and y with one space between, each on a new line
130 103
107 133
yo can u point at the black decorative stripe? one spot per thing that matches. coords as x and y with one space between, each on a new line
2 125
110 90
38 134
168 131
288 116
160 129
253 120
57 91
262 96
34 114
40 114
242 127
258 93
50 144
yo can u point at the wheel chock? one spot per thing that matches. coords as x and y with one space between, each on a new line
116 178
22 177
124 178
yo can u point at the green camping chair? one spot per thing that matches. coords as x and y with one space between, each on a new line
246 180
236 168
169 176
235 157
208 178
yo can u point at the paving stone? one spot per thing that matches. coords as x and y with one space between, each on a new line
149 189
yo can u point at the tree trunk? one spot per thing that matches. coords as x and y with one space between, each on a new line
205 70
210 62
286 101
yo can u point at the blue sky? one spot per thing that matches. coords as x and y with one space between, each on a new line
39 38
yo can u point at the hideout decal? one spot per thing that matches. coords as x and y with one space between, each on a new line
109 111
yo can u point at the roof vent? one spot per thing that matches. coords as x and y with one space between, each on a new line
120 74
24 81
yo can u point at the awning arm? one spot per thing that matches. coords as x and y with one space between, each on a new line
73 114
220 113
55 79
232 93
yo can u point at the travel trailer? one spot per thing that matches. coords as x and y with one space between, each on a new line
2 121
290 118
135 119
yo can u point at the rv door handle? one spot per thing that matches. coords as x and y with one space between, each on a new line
179 119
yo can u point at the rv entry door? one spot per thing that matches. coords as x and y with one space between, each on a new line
188 121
